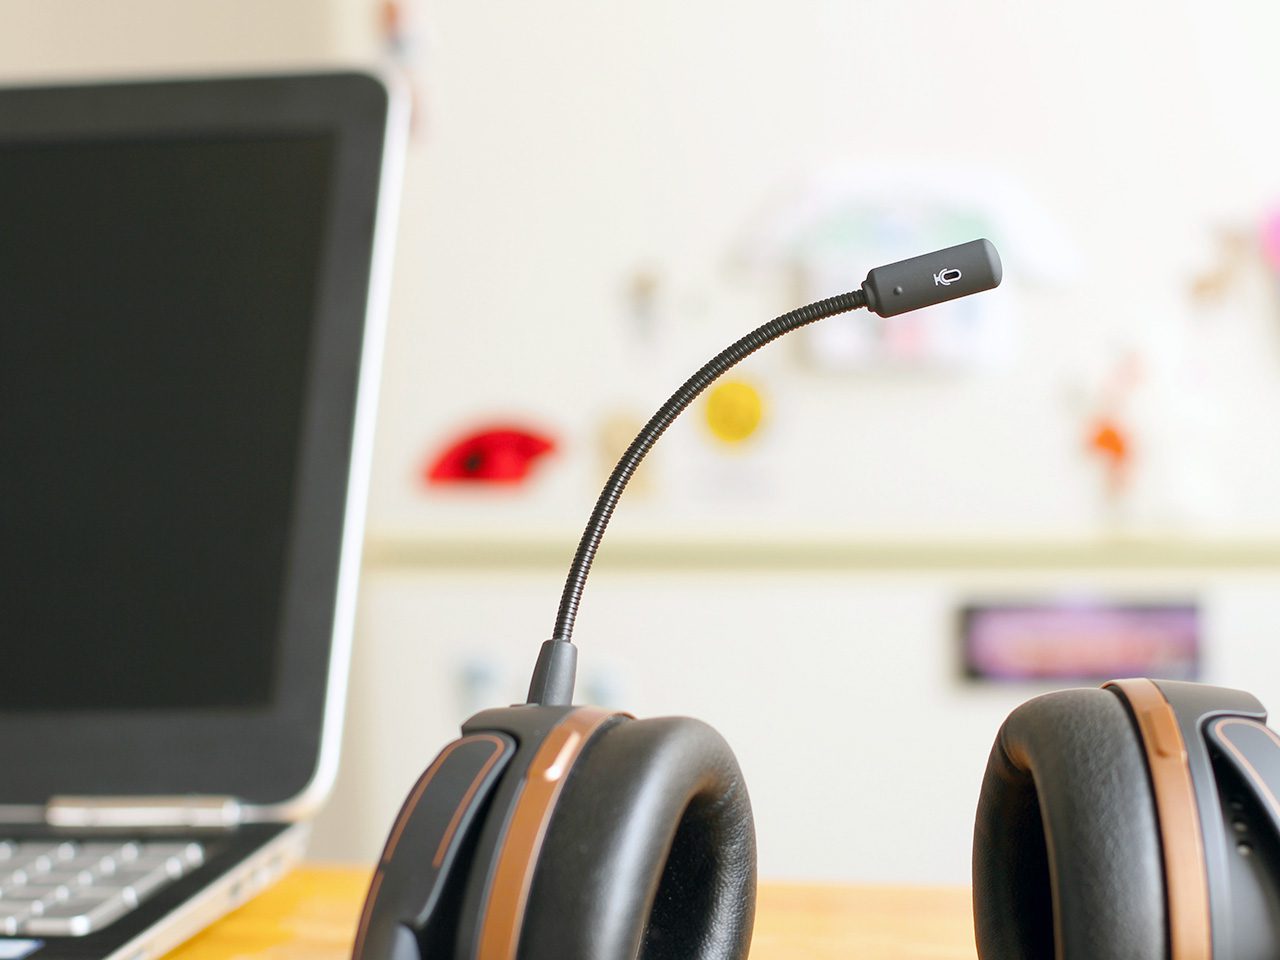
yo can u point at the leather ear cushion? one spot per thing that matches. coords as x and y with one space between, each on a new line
650 852
1067 853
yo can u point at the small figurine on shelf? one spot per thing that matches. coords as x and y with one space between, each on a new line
1109 435
1109 440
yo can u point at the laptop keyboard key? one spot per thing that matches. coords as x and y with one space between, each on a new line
38 856
89 910
68 878
99 849
14 913
27 861
89 869
127 853
72 888
43 893
188 854
97 863
141 881
12 878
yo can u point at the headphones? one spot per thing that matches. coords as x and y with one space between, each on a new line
1139 821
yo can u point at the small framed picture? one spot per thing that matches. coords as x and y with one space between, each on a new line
1091 640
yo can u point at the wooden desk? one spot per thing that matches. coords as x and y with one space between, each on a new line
311 915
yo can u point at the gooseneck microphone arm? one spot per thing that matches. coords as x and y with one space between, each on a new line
657 425
888 291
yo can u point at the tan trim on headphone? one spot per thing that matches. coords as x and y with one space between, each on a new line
406 812
1186 880
447 837
370 899
503 913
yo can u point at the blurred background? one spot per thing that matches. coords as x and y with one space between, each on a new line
872 542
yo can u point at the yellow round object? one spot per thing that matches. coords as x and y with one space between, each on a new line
734 411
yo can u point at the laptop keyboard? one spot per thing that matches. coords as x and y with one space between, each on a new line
71 888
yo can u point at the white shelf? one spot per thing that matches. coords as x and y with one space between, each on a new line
636 552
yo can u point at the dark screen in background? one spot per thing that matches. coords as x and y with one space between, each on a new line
156 307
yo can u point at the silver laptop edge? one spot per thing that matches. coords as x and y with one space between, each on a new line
238 885
267 864
309 800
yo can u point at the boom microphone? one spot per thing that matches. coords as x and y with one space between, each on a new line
887 291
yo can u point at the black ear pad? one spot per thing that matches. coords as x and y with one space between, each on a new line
1067 854
650 853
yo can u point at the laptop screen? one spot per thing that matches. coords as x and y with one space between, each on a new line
156 311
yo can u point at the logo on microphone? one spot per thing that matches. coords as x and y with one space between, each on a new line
946 277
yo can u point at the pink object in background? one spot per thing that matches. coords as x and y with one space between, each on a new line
1076 641
1271 239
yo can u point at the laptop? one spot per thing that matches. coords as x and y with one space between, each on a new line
192 281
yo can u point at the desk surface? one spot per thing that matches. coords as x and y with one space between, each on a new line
311 915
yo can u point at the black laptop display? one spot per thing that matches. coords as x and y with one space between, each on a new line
185 407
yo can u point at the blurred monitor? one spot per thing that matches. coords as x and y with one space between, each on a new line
1091 640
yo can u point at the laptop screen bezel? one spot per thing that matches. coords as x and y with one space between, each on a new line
266 755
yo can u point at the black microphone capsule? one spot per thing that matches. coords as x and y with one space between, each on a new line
933 278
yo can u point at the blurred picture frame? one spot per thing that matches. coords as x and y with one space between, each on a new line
1080 639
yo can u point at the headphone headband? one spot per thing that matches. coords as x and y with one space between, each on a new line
1186 879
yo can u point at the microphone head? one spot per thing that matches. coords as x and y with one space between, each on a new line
932 278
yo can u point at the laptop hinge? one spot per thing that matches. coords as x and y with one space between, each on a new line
142 813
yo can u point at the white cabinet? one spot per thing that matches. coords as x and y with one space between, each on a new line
839 690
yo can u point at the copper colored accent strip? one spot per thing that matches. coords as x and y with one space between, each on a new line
503 913
412 803
465 802
1186 879
1253 771
369 901
407 810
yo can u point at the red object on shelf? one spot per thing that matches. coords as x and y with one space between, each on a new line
503 455
1110 440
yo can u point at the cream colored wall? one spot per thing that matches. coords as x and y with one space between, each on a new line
565 145
87 38
568 142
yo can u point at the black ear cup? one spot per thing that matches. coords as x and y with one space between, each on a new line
1067 858
650 853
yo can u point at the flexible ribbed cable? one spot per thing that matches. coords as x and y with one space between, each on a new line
657 425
